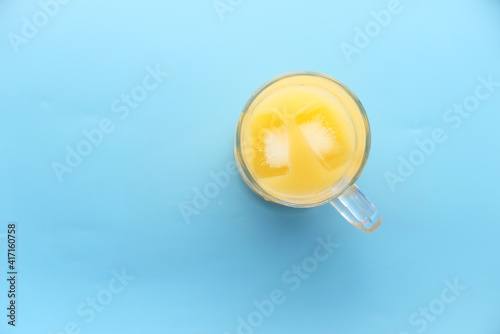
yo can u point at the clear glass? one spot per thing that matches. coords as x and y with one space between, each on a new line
345 196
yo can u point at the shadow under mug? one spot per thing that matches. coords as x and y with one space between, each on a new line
344 196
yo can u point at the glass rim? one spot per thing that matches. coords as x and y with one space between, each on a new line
244 170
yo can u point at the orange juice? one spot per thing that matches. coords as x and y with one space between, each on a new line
302 136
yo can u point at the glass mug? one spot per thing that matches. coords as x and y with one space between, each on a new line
303 139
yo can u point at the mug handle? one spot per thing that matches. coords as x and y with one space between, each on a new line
354 206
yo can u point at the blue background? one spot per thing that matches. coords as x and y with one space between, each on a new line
120 208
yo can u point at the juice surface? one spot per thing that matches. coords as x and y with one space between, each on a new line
303 140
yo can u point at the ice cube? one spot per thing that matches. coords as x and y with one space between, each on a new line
320 128
271 140
320 138
275 147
